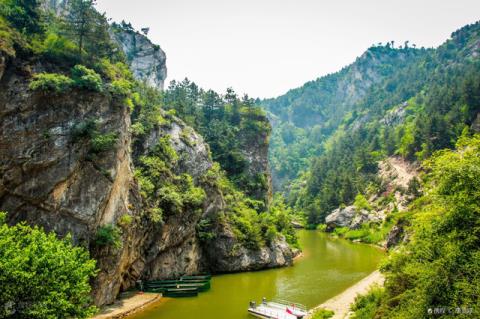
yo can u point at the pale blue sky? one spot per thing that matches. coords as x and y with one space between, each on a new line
265 47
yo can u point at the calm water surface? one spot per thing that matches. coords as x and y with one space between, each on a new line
328 267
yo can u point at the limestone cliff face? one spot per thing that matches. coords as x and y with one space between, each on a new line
147 60
50 177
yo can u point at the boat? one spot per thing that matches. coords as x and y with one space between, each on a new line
277 309
200 286
180 292
196 277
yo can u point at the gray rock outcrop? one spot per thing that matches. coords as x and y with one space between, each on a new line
147 61
352 218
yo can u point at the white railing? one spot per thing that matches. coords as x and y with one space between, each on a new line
289 304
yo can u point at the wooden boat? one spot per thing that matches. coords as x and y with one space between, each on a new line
196 277
200 286
180 292
277 309
178 281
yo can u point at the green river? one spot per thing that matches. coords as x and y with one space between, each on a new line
328 267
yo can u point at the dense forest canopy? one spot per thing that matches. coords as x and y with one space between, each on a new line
423 105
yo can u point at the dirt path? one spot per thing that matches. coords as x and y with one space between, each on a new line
128 304
340 304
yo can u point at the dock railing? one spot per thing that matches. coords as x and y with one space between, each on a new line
290 304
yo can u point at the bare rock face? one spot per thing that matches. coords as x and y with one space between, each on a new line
340 217
351 218
49 176
397 234
147 60
226 255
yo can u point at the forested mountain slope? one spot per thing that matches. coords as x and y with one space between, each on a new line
305 117
420 109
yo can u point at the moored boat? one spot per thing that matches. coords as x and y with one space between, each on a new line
277 309
180 292
196 277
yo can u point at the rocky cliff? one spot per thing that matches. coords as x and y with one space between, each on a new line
147 60
52 175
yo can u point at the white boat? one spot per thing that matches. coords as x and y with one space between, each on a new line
277 309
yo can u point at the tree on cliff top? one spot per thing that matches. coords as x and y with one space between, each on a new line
42 276
89 29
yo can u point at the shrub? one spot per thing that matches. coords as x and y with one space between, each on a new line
322 314
340 231
84 129
125 220
114 71
365 306
156 215
103 142
204 231
138 129
86 78
361 203
56 47
170 199
121 87
108 236
271 234
50 82
322 227
42 276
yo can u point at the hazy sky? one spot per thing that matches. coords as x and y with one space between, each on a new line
266 47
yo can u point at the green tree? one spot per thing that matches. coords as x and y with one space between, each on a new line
89 29
42 276
24 15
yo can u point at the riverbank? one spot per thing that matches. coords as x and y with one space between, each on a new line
128 304
340 304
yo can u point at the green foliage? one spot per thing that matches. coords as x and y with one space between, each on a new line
121 87
84 129
361 203
42 276
53 82
89 29
82 77
86 78
103 142
204 230
321 227
229 124
125 220
253 227
108 236
56 48
366 306
24 15
165 192
322 314
307 116
423 106
440 265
